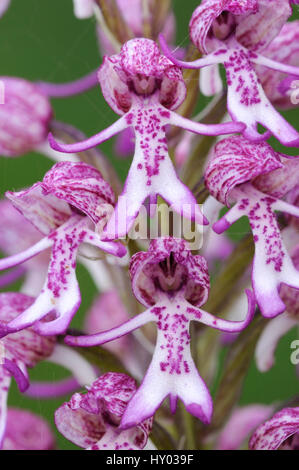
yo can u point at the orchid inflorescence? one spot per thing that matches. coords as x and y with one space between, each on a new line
150 322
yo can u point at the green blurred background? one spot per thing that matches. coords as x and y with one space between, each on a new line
42 40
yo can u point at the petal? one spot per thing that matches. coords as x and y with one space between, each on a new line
267 343
92 142
60 292
144 271
27 431
257 30
45 212
25 118
172 371
242 422
83 8
5 380
110 335
130 439
74 362
18 370
62 90
272 434
210 82
248 103
220 324
77 425
80 185
52 389
236 160
25 348
203 17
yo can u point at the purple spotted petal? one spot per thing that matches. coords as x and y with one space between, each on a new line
241 424
80 185
27 431
25 114
4 6
236 160
146 268
281 431
106 312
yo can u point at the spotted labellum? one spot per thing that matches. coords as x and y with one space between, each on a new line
238 35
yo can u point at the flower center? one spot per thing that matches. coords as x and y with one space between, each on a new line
169 276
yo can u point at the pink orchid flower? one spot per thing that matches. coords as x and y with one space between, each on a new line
281 432
254 178
90 420
65 207
144 87
173 284
234 34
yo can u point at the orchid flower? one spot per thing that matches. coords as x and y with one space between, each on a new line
241 424
65 207
173 284
27 431
143 86
18 351
90 420
281 432
234 34
255 177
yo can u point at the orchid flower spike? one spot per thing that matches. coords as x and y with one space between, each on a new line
18 351
173 284
254 177
144 87
65 206
90 420
234 33
27 431
281 432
